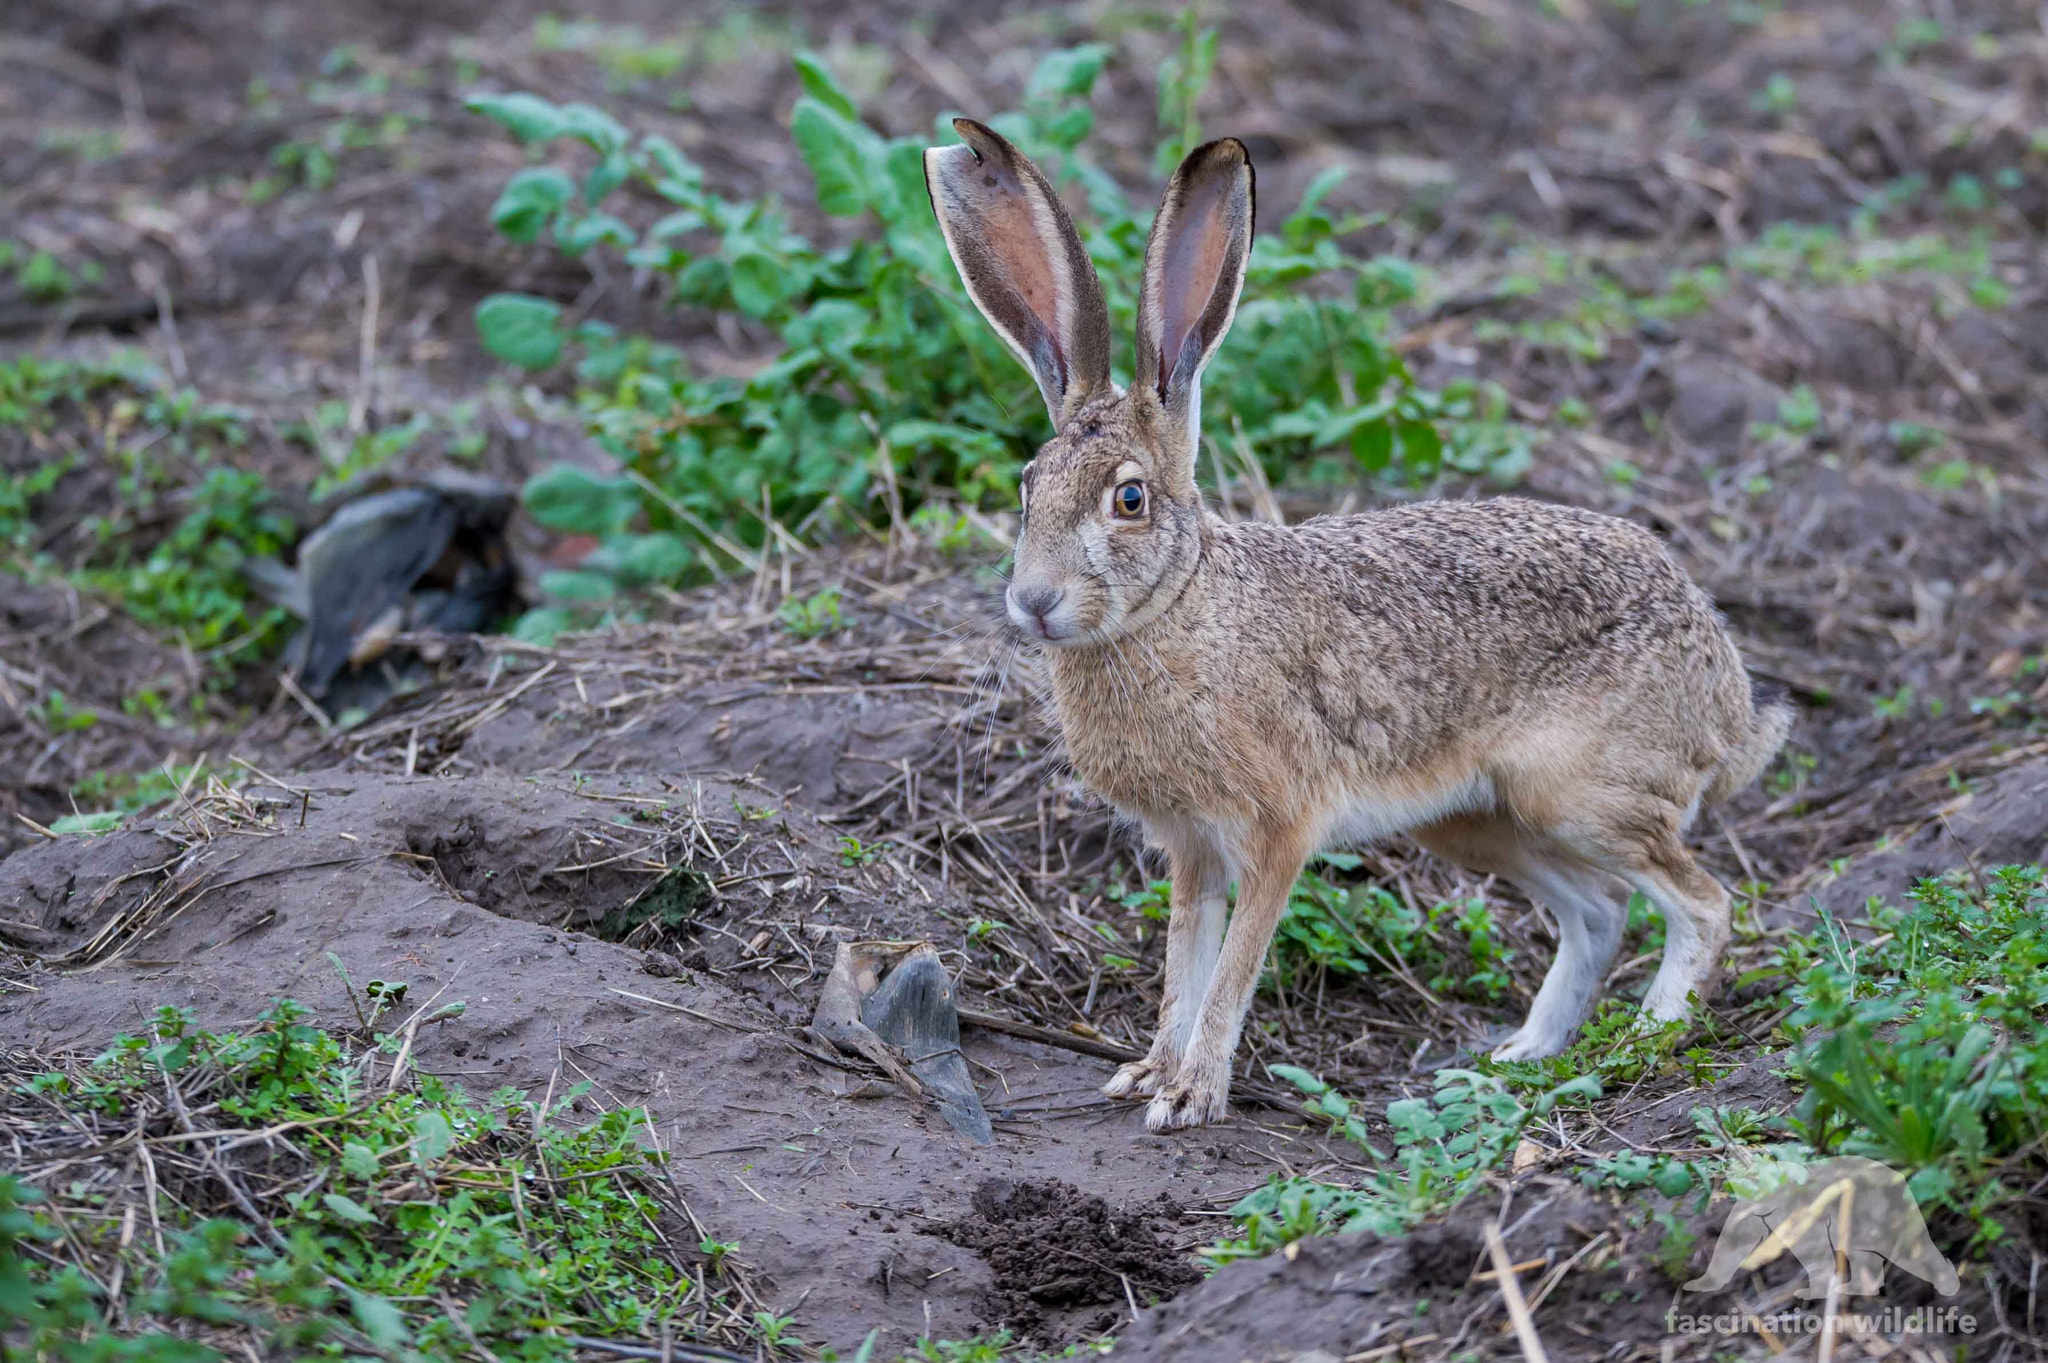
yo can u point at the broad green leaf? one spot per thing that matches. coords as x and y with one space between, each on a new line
1341 426
593 127
1069 72
1386 281
903 169
530 201
1422 449
579 503
1320 187
759 283
521 329
918 434
579 585
432 1137
541 625
359 1161
642 559
703 282
1067 131
527 117
676 224
587 231
606 176
381 1321
819 85
575 502
1300 1078
1372 445
680 178
348 1209
831 150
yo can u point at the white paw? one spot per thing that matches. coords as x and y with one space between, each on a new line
1138 1077
1184 1103
1527 1045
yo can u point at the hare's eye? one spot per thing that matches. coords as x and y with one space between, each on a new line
1128 501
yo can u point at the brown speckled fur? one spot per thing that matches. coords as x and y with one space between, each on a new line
1532 690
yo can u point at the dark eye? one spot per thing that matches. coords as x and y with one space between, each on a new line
1128 501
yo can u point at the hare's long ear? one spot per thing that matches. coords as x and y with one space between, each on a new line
1194 270
1023 264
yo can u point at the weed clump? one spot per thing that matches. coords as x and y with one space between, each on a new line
311 1193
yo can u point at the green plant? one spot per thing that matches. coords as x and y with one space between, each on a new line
191 585
716 1251
854 852
1364 929
1780 95
775 1334
167 453
882 361
43 277
1925 1046
1619 1043
416 1222
812 617
1443 1146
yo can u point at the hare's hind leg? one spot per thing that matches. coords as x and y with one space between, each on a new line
1589 920
1589 927
1639 840
1194 939
1697 926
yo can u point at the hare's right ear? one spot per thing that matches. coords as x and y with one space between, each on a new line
1195 263
1023 264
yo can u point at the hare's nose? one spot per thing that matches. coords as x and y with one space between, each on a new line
1038 602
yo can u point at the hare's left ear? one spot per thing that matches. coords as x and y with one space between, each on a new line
1194 270
1023 264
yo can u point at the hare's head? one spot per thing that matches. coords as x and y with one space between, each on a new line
1112 515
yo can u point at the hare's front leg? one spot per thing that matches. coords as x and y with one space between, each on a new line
1194 937
1200 1091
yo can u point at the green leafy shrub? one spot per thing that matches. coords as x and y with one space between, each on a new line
191 583
1345 928
1926 1047
881 357
167 455
415 1221
1443 1146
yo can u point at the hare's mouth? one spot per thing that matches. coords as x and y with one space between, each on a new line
1044 613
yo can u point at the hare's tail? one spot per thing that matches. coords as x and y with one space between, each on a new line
1770 720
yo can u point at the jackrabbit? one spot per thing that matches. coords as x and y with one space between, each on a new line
1529 690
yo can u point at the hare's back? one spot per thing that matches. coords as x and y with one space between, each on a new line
1505 597
1510 560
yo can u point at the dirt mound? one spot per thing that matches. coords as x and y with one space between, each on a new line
1057 1251
1363 1294
492 890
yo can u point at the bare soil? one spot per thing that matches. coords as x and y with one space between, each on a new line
483 837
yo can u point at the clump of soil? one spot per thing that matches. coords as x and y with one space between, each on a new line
1418 1296
1057 1251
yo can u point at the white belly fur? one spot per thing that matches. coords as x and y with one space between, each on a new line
1371 815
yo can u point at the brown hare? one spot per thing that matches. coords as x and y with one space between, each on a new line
1529 690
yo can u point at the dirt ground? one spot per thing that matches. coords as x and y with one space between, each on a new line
485 837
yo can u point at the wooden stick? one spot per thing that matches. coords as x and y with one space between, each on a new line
1049 1036
1511 1294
